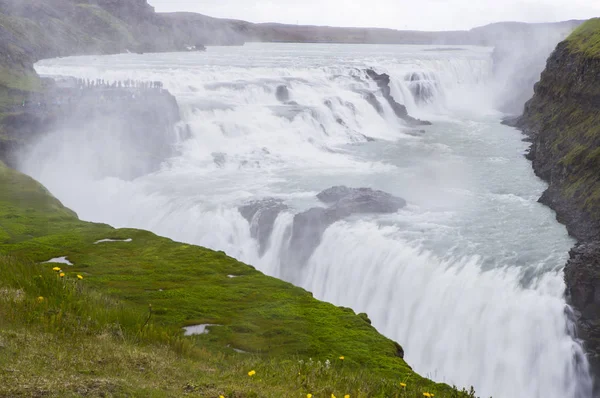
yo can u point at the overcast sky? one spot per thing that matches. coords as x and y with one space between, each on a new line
397 14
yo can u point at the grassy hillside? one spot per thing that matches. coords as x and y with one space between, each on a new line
586 39
119 329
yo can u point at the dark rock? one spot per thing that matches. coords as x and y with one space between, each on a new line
219 158
372 99
369 139
561 121
261 215
309 226
307 230
582 276
383 82
334 194
282 93
361 200
415 132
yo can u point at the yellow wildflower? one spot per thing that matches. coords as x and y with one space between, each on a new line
308 395
403 385
62 274
56 269
347 396
342 358
251 373
428 395
40 299
332 396
221 396
79 277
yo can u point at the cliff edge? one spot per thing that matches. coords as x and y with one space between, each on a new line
563 122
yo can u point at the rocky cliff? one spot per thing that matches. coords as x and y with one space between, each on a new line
563 122
31 30
131 125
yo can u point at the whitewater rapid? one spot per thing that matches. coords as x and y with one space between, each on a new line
467 277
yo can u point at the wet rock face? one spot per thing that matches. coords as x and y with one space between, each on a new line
561 122
282 93
360 200
307 230
372 99
383 82
309 226
582 276
261 215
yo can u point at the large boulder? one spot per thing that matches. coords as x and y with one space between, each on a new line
383 82
361 200
372 99
366 200
309 226
261 215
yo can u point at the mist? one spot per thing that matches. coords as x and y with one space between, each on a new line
368 166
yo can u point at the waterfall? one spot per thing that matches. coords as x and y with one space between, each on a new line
467 277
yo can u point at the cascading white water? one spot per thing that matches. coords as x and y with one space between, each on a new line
468 277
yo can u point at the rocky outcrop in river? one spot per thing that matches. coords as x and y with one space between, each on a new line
308 226
342 202
383 82
562 120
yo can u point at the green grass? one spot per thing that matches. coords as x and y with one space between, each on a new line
586 39
128 312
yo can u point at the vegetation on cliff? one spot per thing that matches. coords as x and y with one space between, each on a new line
563 122
586 39
113 322
565 126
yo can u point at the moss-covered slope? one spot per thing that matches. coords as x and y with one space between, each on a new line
185 285
563 122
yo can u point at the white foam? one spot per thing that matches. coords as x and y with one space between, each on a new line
59 260
112 240
197 329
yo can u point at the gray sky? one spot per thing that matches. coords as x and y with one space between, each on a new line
397 14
